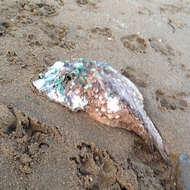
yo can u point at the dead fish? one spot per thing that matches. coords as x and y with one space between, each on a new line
104 93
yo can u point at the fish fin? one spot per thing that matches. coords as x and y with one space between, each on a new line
165 157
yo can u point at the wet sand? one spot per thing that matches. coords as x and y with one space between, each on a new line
45 146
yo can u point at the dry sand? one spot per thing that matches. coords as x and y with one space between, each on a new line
45 146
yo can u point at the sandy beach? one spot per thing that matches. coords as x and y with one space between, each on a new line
43 145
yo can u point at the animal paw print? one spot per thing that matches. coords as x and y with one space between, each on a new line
86 2
106 32
171 102
98 170
95 167
134 43
138 78
161 46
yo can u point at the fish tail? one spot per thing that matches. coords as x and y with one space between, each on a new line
158 143
156 140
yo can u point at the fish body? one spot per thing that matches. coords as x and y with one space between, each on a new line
104 93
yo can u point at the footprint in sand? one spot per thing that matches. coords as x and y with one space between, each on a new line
105 32
97 169
161 46
139 78
86 2
171 102
134 42
4 25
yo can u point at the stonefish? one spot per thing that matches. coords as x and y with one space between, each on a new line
101 91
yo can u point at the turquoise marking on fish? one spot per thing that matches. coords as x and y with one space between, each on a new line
104 93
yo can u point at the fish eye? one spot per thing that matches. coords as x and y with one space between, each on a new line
68 77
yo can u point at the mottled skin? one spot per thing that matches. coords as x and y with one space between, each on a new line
112 99
131 115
